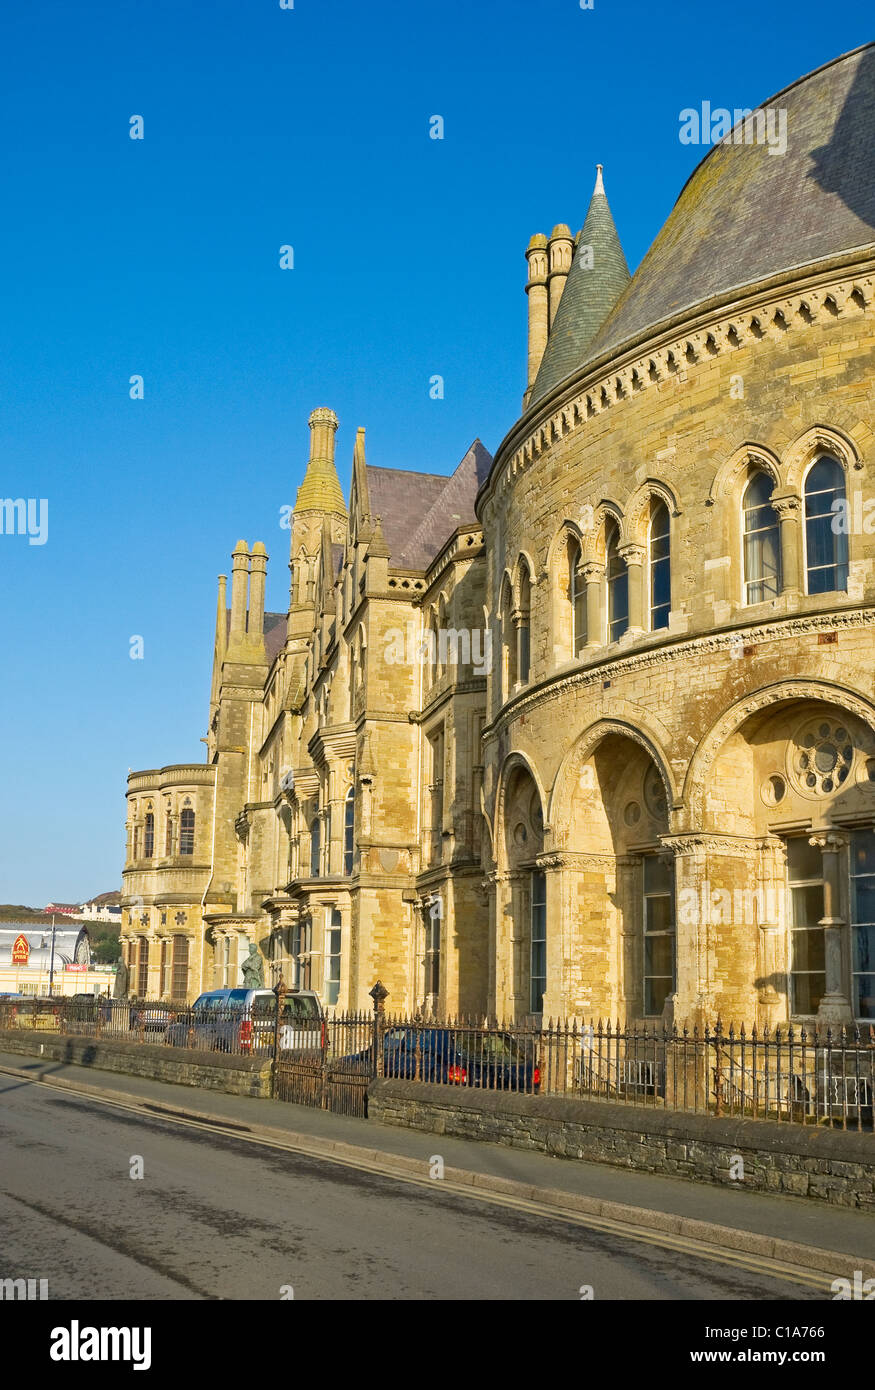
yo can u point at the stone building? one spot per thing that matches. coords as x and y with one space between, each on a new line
658 800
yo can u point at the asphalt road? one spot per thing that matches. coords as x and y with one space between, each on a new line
220 1217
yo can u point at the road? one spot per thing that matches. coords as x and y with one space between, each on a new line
216 1216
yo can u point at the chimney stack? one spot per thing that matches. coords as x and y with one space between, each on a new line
239 584
257 581
536 289
559 252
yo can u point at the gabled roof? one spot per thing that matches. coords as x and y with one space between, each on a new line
420 511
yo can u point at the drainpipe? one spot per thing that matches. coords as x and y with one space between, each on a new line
209 880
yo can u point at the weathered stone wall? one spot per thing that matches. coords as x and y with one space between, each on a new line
825 1165
239 1076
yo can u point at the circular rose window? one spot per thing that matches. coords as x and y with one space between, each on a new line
821 757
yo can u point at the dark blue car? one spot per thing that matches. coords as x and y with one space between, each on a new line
494 1061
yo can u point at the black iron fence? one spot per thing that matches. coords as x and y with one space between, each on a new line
808 1076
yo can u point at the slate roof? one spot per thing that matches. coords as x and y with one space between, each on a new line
420 511
745 215
275 631
597 277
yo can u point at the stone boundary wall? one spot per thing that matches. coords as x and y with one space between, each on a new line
237 1076
827 1165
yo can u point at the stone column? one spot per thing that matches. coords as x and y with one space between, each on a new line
787 505
634 556
632 935
834 1006
594 574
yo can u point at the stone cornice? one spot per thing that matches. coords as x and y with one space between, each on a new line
705 842
595 673
769 312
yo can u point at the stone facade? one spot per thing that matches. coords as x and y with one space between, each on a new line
658 801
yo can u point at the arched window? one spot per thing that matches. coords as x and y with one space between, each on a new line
508 639
762 541
618 583
826 541
149 836
186 831
441 658
315 847
524 632
349 831
577 598
660 566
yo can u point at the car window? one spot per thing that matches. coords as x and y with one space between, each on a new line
298 1007
263 1006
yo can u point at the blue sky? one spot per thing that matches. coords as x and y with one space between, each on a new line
160 257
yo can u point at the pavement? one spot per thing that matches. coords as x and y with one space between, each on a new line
778 1229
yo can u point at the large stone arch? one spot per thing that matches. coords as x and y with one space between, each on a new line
784 692
653 740
515 763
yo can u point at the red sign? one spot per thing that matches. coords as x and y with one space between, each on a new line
20 950
75 967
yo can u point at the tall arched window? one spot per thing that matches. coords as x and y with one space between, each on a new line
660 566
508 639
524 631
826 542
577 598
315 847
349 831
149 836
186 831
762 541
617 577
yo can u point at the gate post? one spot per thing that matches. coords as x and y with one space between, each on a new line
280 991
379 994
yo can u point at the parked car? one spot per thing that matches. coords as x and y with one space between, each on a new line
153 1019
448 1056
244 1020
497 1062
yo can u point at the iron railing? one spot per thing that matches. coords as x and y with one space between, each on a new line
799 1075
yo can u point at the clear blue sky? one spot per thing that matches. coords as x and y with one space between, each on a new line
266 126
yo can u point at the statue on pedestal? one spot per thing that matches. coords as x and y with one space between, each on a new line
252 969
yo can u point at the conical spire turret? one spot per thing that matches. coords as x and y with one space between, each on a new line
597 278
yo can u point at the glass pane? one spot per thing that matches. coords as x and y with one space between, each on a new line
658 955
864 948
807 905
657 874
863 852
658 915
808 991
865 996
864 899
808 950
803 860
655 994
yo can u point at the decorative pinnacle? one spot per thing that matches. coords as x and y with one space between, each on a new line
599 184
